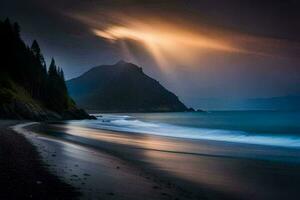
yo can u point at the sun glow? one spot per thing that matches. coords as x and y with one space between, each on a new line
167 39
166 43
177 42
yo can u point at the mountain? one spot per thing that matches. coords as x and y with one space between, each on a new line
27 89
122 87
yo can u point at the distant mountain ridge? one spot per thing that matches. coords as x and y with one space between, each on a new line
122 87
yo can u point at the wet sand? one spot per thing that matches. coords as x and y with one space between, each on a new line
131 166
23 175
95 173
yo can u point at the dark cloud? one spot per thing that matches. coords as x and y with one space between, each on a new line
76 48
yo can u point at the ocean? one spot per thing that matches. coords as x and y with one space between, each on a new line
272 128
239 154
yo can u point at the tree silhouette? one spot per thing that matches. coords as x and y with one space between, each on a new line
37 52
26 67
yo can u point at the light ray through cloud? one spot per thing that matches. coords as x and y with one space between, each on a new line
177 42
165 43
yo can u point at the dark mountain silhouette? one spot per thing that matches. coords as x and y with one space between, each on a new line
27 89
122 87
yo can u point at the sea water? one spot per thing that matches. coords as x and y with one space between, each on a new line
275 128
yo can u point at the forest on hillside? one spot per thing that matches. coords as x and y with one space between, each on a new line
28 88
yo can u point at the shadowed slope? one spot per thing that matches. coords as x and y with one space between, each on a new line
122 87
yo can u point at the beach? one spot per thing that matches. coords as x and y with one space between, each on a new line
23 174
121 165
97 174
149 100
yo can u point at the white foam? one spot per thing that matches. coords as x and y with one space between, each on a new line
128 124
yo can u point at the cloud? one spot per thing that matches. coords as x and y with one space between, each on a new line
177 41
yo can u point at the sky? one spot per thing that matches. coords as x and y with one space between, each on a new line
210 53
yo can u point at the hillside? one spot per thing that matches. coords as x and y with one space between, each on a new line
28 90
122 87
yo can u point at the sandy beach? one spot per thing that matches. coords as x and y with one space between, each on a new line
97 174
23 174
105 164
149 100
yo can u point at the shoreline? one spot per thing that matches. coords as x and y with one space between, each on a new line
98 174
205 175
134 166
23 174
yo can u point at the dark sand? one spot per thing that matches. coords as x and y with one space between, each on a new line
98 174
105 164
23 175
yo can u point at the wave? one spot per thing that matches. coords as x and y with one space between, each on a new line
126 123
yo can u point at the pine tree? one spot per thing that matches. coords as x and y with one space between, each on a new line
17 29
37 52
52 69
26 67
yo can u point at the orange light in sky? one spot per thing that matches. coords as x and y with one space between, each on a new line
175 43
164 42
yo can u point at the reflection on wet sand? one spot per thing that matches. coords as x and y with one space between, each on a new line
237 170
96 174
